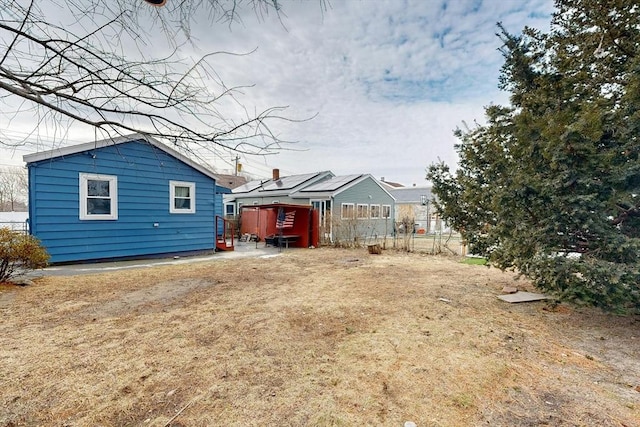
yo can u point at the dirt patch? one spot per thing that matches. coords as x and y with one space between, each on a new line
312 337
148 298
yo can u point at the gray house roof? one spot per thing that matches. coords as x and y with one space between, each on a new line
284 186
246 188
74 149
334 186
326 187
317 185
230 181
391 184
291 182
411 195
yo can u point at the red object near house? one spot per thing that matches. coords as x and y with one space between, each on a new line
297 225
224 234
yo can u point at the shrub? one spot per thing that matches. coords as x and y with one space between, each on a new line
19 252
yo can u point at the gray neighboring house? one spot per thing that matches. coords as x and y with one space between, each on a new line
275 190
417 203
358 200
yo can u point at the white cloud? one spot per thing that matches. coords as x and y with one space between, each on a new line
389 80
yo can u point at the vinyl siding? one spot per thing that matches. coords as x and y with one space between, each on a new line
219 204
143 172
359 194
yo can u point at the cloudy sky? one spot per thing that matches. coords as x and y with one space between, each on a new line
387 81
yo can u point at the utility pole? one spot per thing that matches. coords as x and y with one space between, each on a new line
236 168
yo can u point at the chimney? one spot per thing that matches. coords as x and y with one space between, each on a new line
276 174
382 179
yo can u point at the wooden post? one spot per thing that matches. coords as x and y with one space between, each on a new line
375 249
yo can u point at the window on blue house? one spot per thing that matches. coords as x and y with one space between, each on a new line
182 197
98 197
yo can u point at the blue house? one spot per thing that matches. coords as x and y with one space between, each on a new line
125 197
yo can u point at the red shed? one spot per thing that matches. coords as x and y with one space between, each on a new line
296 225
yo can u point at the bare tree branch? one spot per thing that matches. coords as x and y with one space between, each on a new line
13 188
88 73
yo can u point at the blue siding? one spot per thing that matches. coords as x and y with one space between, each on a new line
219 208
143 173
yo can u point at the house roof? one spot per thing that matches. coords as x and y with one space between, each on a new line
328 187
331 184
288 182
136 137
246 188
335 185
282 186
230 181
305 186
391 184
411 194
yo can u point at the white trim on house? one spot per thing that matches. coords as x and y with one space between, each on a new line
233 209
174 207
86 206
362 211
74 149
374 207
344 207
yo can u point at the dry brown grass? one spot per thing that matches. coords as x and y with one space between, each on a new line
319 337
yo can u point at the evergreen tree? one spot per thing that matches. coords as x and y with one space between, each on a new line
550 186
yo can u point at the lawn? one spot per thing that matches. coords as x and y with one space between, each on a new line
318 337
475 261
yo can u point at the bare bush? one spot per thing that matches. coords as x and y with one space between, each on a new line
404 233
18 253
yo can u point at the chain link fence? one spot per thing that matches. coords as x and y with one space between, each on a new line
20 226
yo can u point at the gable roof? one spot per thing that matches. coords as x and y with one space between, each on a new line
331 184
336 185
391 184
247 187
288 182
136 137
282 186
411 194
230 181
